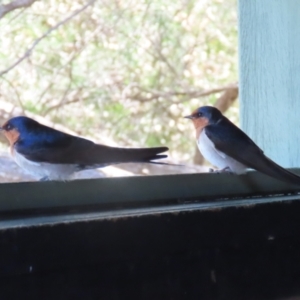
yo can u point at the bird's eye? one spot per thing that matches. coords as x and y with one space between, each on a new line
199 114
8 127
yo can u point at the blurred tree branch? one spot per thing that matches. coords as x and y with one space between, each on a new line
227 98
28 52
154 94
7 8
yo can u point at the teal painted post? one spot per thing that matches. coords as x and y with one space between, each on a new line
269 55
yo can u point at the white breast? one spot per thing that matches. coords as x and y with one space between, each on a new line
41 170
218 158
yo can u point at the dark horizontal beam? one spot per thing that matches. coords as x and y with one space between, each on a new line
45 219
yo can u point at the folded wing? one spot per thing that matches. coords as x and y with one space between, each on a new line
236 144
60 148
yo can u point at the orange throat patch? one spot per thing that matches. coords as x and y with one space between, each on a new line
12 136
199 124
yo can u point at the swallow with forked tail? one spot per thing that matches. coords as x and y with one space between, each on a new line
227 147
49 154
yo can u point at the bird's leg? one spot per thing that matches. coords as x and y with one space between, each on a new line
46 178
226 170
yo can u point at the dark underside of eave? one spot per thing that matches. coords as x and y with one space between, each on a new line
230 253
202 244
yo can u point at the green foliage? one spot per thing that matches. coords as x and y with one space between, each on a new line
121 69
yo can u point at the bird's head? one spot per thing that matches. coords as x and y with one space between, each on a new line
204 115
16 127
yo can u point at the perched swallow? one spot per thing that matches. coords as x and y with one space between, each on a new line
227 147
50 154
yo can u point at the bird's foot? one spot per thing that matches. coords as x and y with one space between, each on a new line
224 170
46 178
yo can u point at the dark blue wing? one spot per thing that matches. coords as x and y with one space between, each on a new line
45 144
232 141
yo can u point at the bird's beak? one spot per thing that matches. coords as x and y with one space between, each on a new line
189 117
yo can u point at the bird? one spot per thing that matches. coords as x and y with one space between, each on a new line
230 149
50 154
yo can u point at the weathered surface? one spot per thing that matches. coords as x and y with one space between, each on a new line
269 76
